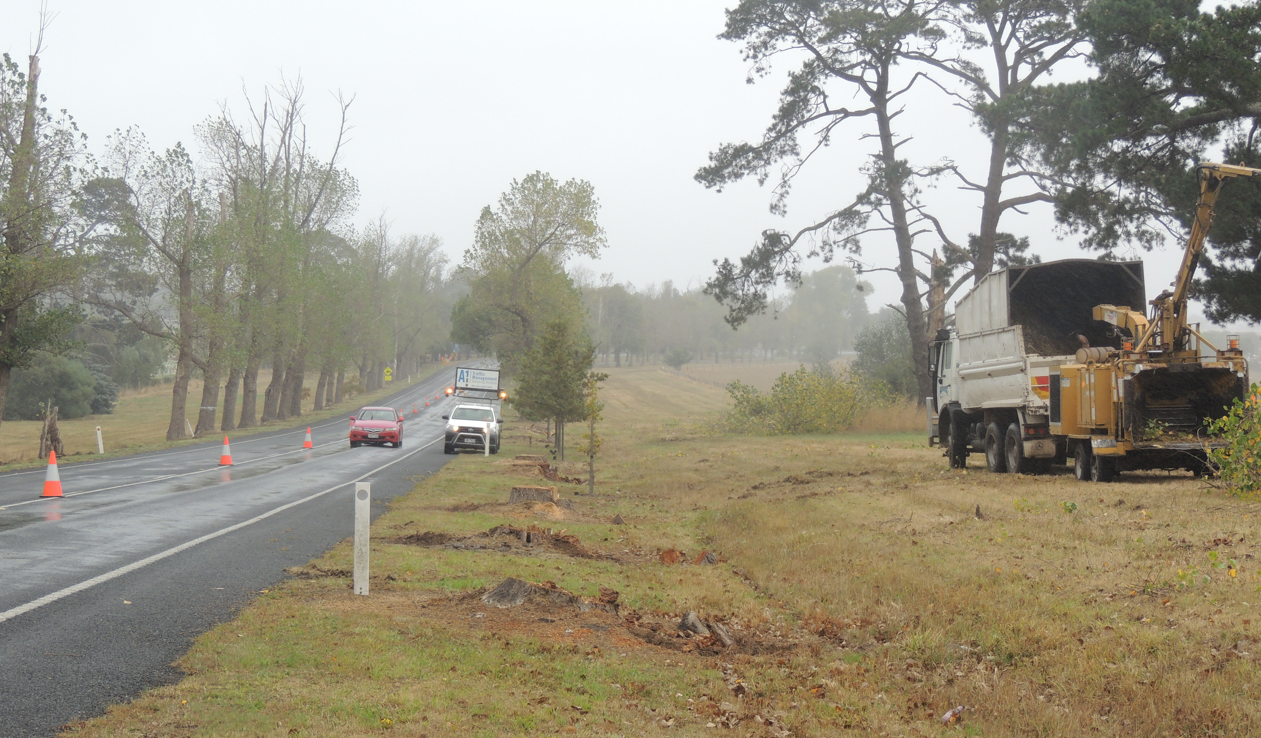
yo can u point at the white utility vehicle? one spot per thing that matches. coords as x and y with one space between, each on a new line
472 427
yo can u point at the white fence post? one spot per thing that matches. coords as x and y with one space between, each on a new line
363 519
100 442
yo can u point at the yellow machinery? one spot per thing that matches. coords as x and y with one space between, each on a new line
1144 404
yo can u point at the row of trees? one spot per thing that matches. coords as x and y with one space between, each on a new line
241 260
814 322
1113 153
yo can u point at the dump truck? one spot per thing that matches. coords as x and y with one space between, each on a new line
1014 329
1048 362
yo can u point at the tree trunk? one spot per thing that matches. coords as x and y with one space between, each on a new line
209 401
591 458
339 386
285 404
5 372
249 390
318 405
296 384
991 211
187 328
179 396
229 399
894 183
271 396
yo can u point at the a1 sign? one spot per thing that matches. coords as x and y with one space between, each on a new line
477 379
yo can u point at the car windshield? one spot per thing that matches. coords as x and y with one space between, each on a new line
377 415
472 413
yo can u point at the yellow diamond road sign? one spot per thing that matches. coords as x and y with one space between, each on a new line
389 374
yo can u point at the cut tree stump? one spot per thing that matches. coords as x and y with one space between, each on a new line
533 493
512 592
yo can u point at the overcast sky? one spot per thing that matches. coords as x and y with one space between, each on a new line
455 100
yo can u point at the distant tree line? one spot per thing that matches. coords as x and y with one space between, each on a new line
814 322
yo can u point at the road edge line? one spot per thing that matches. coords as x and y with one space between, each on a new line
135 565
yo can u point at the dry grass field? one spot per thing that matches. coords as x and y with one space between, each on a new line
139 422
760 374
867 589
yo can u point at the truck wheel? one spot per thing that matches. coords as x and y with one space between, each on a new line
1014 452
448 448
957 449
1081 462
994 456
1102 468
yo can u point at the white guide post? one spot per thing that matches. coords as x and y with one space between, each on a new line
100 442
486 446
363 518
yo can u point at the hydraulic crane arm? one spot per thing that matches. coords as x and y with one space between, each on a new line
1168 328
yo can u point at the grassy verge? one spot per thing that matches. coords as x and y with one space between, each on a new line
869 590
140 420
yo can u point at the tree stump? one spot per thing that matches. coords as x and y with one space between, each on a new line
512 592
533 493
50 437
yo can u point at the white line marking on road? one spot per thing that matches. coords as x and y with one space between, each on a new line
166 477
107 576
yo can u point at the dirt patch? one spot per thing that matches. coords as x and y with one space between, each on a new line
315 571
544 611
528 541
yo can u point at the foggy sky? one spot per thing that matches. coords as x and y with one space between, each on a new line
455 100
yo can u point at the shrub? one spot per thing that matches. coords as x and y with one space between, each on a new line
65 381
676 358
1238 463
884 355
105 393
819 400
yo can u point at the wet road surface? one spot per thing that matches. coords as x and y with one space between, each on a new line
100 591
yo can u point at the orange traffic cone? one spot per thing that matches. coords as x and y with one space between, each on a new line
426 404
307 442
52 480
225 459
414 410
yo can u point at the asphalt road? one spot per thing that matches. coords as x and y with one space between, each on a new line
102 590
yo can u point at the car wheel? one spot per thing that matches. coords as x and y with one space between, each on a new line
354 444
1102 468
994 456
1081 462
1014 451
448 448
958 440
398 443
494 449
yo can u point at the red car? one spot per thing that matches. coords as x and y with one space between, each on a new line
379 425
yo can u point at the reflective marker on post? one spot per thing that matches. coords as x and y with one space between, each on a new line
363 518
